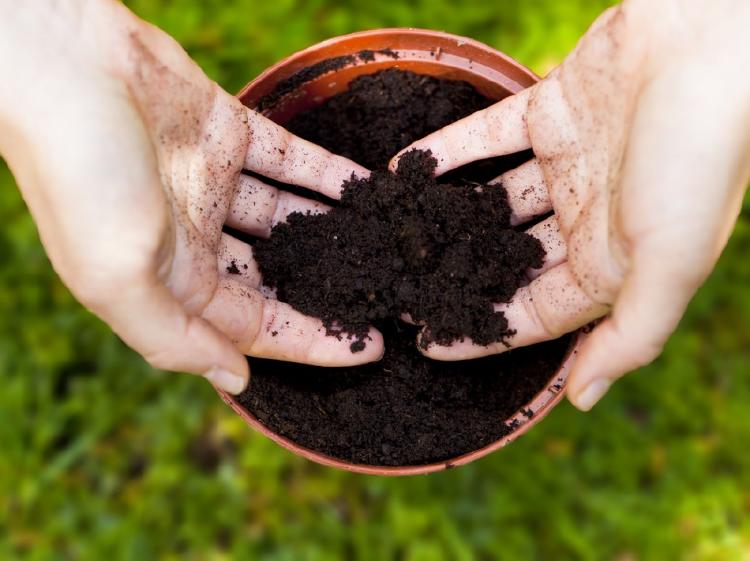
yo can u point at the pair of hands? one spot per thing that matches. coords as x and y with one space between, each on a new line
640 139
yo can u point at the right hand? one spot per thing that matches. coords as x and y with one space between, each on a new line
642 145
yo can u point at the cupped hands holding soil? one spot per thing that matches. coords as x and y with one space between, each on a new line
404 245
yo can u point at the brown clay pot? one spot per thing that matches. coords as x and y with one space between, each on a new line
428 52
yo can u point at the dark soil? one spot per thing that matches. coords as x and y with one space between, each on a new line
400 243
405 106
404 410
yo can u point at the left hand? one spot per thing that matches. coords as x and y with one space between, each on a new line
130 161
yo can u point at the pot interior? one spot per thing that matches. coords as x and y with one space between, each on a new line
432 53
292 87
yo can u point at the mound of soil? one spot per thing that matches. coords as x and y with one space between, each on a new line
442 252
402 243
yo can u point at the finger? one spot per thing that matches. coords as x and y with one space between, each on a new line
272 329
278 154
552 305
150 320
548 233
527 192
495 131
236 261
649 306
258 207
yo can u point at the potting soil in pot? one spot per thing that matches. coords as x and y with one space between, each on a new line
440 250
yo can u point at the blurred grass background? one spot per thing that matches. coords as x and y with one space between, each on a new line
102 458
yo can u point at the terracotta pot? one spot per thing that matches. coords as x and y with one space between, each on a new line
428 52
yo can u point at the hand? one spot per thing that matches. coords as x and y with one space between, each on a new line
130 160
641 140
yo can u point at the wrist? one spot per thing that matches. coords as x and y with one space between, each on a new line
678 30
50 53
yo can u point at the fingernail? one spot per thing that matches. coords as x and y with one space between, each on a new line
592 393
225 380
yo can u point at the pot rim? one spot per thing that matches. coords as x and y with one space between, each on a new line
475 55
287 66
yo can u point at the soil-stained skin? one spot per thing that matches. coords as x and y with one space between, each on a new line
578 124
201 139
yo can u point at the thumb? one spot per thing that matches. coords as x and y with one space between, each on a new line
649 306
152 322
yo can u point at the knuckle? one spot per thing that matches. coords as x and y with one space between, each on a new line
536 316
246 331
279 207
306 351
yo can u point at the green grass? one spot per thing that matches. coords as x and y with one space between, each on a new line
104 459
